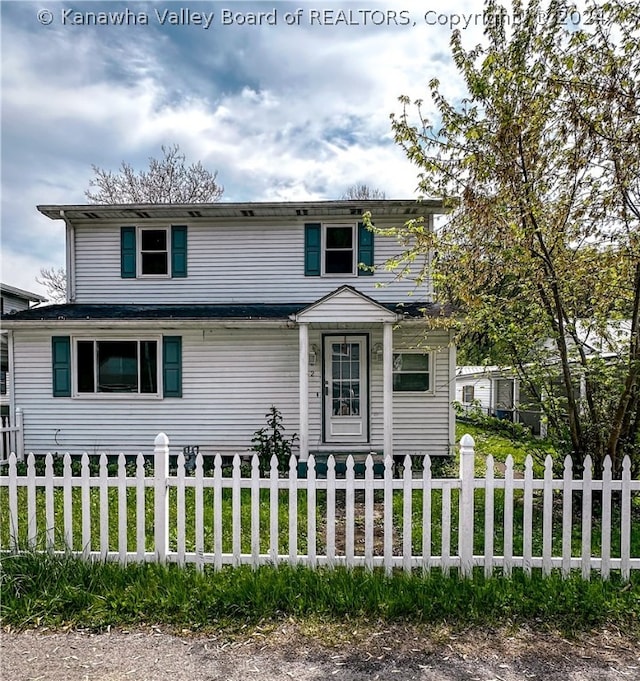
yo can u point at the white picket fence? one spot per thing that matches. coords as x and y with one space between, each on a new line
237 516
11 437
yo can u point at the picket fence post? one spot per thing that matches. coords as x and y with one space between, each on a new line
161 497
19 441
465 529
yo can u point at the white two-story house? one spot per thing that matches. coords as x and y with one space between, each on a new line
194 320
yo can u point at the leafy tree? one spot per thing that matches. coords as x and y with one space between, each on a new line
55 281
540 249
362 192
168 180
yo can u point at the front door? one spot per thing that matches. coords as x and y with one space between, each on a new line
346 406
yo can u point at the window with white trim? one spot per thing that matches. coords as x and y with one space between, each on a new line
117 366
154 251
339 249
412 372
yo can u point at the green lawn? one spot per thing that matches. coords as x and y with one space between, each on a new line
500 446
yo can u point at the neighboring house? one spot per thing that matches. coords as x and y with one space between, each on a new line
195 319
12 300
497 392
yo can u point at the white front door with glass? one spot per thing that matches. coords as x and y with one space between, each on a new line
346 390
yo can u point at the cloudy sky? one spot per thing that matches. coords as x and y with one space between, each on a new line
297 108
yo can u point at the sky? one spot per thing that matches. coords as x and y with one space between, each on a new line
287 101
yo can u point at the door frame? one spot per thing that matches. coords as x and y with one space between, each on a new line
365 358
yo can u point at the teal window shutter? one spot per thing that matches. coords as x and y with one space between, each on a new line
128 252
312 234
172 366
61 365
178 251
365 250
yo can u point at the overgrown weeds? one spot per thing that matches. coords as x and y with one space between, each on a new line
53 590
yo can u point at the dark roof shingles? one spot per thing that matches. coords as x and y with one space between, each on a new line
246 311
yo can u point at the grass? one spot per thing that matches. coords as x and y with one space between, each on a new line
54 591
501 445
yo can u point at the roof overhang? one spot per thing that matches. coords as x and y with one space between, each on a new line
21 293
392 208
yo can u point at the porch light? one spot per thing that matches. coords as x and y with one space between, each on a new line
378 352
313 355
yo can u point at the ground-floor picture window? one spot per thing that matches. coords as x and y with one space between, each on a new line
117 366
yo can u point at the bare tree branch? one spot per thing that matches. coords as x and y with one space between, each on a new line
168 180
55 281
362 192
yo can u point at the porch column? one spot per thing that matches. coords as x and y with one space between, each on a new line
303 329
387 368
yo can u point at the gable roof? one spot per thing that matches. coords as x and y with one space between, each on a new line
346 301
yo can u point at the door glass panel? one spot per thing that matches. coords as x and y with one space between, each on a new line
345 378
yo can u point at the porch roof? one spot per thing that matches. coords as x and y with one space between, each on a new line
232 311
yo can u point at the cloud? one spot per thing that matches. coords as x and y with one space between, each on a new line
281 112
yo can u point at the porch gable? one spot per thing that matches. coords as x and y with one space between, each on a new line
345 304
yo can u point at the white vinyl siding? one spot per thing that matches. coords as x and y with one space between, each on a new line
230 379
421 420
11 303
346 306
481 390
227 263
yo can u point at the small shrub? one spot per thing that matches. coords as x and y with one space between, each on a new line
271 440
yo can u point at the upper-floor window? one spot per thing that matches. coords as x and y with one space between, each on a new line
337 250
153 252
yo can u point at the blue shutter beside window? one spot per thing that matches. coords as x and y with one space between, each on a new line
128 252
61 366
312 233
178 251
172 366
365 250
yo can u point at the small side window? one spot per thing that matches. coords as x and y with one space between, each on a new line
411 372
467 394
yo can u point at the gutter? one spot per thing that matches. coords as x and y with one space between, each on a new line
71 258
12 377
157 324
